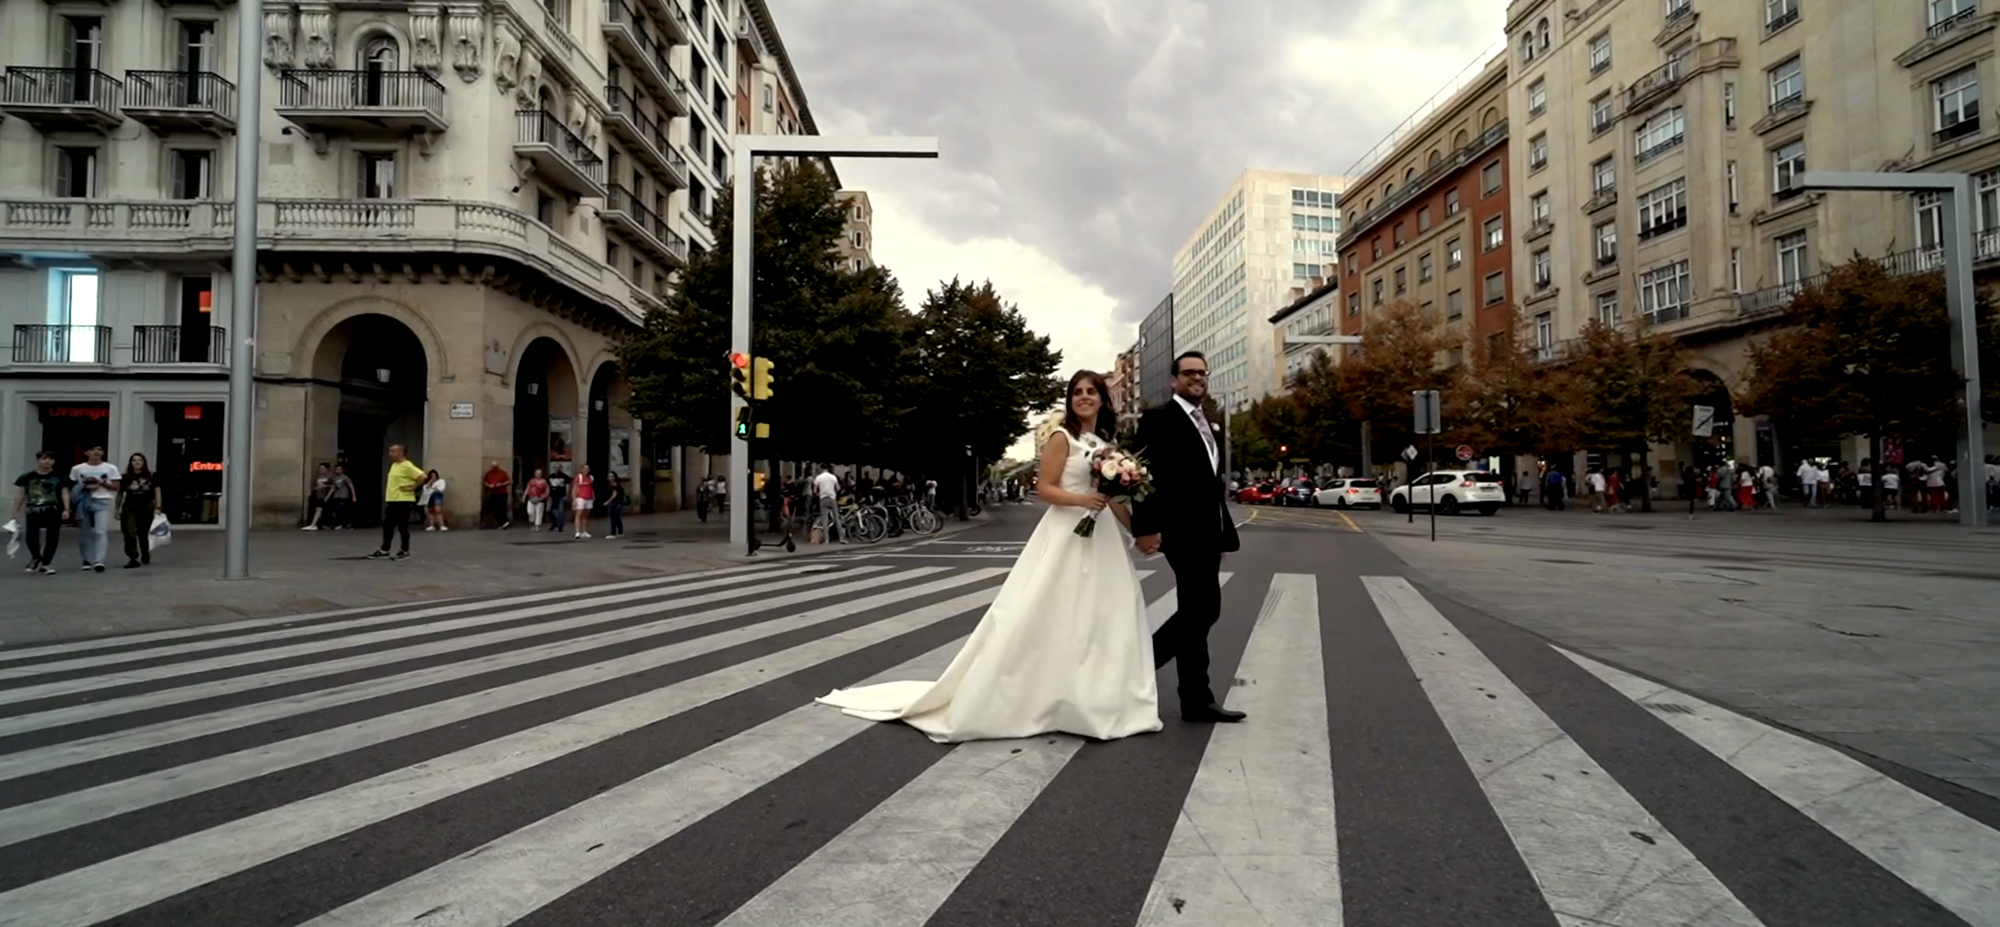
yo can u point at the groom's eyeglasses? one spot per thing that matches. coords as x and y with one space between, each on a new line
1195 373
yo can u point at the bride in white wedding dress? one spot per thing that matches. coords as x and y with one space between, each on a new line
1065 646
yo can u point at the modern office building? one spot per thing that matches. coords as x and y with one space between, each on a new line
1268 239
464 208
1156 354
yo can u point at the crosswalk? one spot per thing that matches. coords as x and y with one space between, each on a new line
647 752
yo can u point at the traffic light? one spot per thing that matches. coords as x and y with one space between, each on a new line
739 374
761 378
743 424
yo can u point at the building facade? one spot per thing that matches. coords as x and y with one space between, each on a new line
464 209
857 238
1156 355
1428 218
1660 180
1270 237
1315 313
1124 383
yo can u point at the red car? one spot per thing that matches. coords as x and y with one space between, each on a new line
1257 494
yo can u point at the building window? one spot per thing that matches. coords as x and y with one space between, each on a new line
191 174
1679 8
1402 281
1354 304
1729 105
1424 219
1489 179
1451 202
1930 221
1780 13
1496 233
1663 131
1527 47
1399 234
545 209
1607 242
1663 292
76 307
1375 287
1791 258
1663 209
1729 176
378 175
1544 271
1600 114
612 254
1454 305
1600 53
1538 97
1607 309
1604 177
1545 336
1788 82
1426 268
1375 248
1948 12
1538 209
1538 152
1454 254
1736 270
76 172
1956 104
1788 161
1496 287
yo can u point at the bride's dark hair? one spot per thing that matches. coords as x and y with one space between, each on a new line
1107 415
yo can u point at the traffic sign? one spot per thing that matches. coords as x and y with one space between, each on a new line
1465 452
1410 453
1427 408
1704 421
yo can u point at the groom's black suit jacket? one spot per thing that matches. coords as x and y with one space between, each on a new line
1189 506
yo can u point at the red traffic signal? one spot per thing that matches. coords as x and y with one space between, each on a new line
739 360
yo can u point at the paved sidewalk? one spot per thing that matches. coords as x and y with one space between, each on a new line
1885 638
305 571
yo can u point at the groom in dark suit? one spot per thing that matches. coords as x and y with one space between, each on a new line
1187 518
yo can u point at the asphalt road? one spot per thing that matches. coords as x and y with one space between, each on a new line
646 753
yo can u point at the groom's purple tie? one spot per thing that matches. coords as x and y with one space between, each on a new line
1207 434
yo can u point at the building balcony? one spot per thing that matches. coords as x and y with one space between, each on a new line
326 102
558 156
748 41
1422 183
83 345
1948 33
62 99
645 135
1653 85
177 344
181 101
674 26
623 33
645 228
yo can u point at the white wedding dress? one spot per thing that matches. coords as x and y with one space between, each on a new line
1065 646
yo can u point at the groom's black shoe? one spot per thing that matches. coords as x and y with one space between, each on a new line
1211 713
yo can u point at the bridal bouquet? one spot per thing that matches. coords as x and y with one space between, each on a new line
1121 476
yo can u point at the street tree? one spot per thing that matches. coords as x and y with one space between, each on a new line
1265 435
1400 352
1632 389
1327 430
1511 401
1868 353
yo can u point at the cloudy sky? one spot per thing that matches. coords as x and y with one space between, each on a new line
1082 140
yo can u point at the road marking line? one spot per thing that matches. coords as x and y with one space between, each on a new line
1944 854
1256 843
1351 526
1598 854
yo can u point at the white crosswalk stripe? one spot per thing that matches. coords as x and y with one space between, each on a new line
707 680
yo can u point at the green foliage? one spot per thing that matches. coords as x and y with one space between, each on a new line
977 372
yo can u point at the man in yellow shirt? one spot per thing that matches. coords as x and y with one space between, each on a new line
399 496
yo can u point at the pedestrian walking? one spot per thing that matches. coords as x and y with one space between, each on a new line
499 503
399 497
559 483
138 502
96 491
42 505
320 498
434 502
536 494
615 501
585 492
343 497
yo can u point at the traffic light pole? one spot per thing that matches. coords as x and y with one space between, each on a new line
743 176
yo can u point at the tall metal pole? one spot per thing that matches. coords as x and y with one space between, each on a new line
242 407
1964 313
744 178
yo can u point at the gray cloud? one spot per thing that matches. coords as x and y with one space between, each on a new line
1102 130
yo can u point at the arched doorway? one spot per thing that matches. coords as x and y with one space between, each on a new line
610 446
374 372
545 410
1720 445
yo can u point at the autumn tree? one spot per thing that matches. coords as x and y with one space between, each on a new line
1631 388
1400 352
1868 353
1326 429
1512 400
1265 435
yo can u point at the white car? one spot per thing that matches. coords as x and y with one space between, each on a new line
1453 491
1347 494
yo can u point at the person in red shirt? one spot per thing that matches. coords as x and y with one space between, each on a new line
499 496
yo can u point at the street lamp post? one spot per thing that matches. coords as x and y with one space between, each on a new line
243 294
1955 207
744 177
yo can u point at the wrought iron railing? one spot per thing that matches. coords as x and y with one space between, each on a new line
316 89
62 344
197 91
1655 82
619 13
174 344
1951 22
61 87
623 104
619 199
540 127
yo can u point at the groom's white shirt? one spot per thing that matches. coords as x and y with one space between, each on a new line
1207 434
